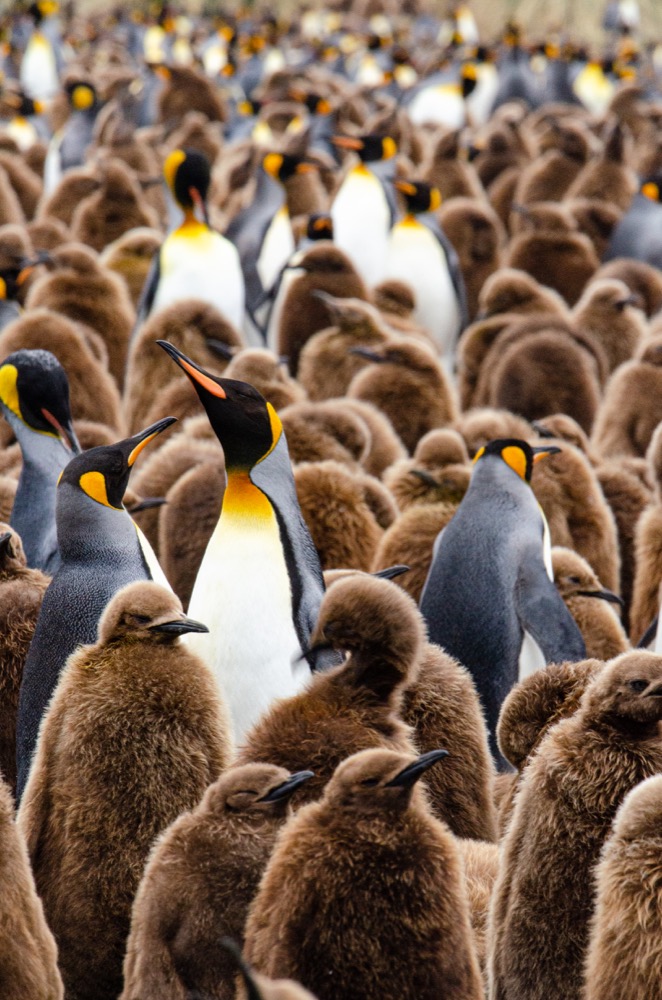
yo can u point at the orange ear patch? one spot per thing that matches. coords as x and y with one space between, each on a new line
516 459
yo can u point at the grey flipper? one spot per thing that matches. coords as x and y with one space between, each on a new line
273 475
542 613
248 229
149 291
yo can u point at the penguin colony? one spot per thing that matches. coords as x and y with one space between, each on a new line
330 485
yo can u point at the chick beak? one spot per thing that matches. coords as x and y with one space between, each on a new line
180 626
365 352
5 539
411 774
287 788
391 572
602 595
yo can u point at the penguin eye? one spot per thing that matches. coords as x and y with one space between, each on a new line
370 782
141 619
638 686
574 579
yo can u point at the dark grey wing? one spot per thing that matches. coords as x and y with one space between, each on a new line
146 300
543 614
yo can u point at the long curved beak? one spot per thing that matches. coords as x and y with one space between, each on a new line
365 352
288 787
180 626
391 572
411 774
5 539
603 595
197 375
142 439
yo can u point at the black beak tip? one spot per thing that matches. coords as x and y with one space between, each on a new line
409 775
288 787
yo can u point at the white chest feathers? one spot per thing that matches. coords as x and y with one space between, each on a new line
361 222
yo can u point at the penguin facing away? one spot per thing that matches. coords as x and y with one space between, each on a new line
260 585
34 398
101 550
489 599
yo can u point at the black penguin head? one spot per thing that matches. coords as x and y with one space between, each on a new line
468 79
320 227
22 105
145 612
419 197
370 148
282 166
34 387
518 455
246 425
102 473
256 789
377 781
188 176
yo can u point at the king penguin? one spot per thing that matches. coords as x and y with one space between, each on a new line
101 551
489 598
34 398
260 584
194 261
363 209
420 254
42 59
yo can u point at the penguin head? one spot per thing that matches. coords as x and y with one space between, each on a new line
34 393
574 577
518 455
256 789
12 556
22 105
145 612
377 781
627 693
370 148
247 425
639 815
419 197
282 166
468 79
319 227
14 276
188 176
102 474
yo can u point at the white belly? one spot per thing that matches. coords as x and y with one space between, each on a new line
277 248
416 257
441 105
531 657
361 223
38 73
206 268
242 593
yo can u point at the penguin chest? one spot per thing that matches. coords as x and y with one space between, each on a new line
416 256
277 248
440 105
38 73
243 594
361 222
197 263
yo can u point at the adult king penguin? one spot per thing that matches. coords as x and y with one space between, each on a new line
260 585
34 398
420 254
489 598
363 209
194 261
101 550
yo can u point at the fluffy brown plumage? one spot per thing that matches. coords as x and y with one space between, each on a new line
88 848
631 407
130 256
268 374
409 541
624 960
563 261
199 881
566 802
607 311
643 280
115 208
372 848
476 233
327 430
28 953
592 607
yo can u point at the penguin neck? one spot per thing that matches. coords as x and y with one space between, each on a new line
191 226
243 501
88 531
33 513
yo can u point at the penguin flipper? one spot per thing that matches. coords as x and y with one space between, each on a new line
543 614
146 300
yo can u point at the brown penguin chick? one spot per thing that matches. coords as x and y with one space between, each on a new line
21 593
477 235
26 183
187 90
564 149
474 345
480 861
327 364
643 280
325 269
631 407
647 551
563 427
47 234
130 256
28 953
566 802
410 539
8 487
195 500
485 423
609 312
578 515
116 207
563 261
369 840
501 194
624 959
356 705
597 219
509 290
453 176
607 176
196 132
268 374
539 215
84 291
346 512
75 185
93 392
590 605
385 445
409 385
200 879
319 431
10 207
396 301
497 151
197 329
410 480
137 679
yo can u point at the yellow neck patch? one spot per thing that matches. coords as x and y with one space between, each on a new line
8 389
173 161
242 499
94 485
276 430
